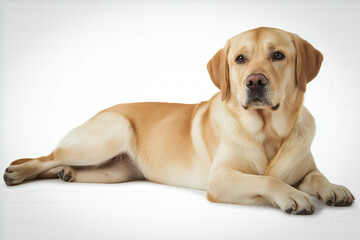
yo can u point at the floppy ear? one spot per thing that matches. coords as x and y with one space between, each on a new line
218 69
308 62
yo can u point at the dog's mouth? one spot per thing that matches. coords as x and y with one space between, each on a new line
260 103
259 99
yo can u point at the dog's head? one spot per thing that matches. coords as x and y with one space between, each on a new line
262 67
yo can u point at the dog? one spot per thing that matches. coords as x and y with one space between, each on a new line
249 144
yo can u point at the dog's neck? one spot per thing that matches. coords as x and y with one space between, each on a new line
268 124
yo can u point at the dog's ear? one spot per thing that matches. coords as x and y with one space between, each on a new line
308 62
218 69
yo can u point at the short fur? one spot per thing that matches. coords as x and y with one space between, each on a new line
238 151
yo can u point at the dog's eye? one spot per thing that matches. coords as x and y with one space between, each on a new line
278 56
240 59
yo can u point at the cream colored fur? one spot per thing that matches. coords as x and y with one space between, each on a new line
237 153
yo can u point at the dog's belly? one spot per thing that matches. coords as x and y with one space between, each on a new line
171 173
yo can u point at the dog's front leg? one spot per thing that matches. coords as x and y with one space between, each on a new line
317 184
228 184
295 165
300 169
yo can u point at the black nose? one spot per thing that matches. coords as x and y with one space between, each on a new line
256 81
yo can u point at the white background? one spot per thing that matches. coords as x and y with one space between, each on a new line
63 61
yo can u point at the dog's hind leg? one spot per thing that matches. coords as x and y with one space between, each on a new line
94 143
119 169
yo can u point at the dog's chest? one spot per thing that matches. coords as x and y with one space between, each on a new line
268 130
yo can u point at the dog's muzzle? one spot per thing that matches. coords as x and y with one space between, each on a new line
257 90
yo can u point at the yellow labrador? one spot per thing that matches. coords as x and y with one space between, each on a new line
249 144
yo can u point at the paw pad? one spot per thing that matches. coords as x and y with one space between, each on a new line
65 175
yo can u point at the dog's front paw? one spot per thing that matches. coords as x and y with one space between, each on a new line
295 202
335 195
67 174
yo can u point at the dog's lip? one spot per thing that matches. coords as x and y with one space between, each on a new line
274 107
257 100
